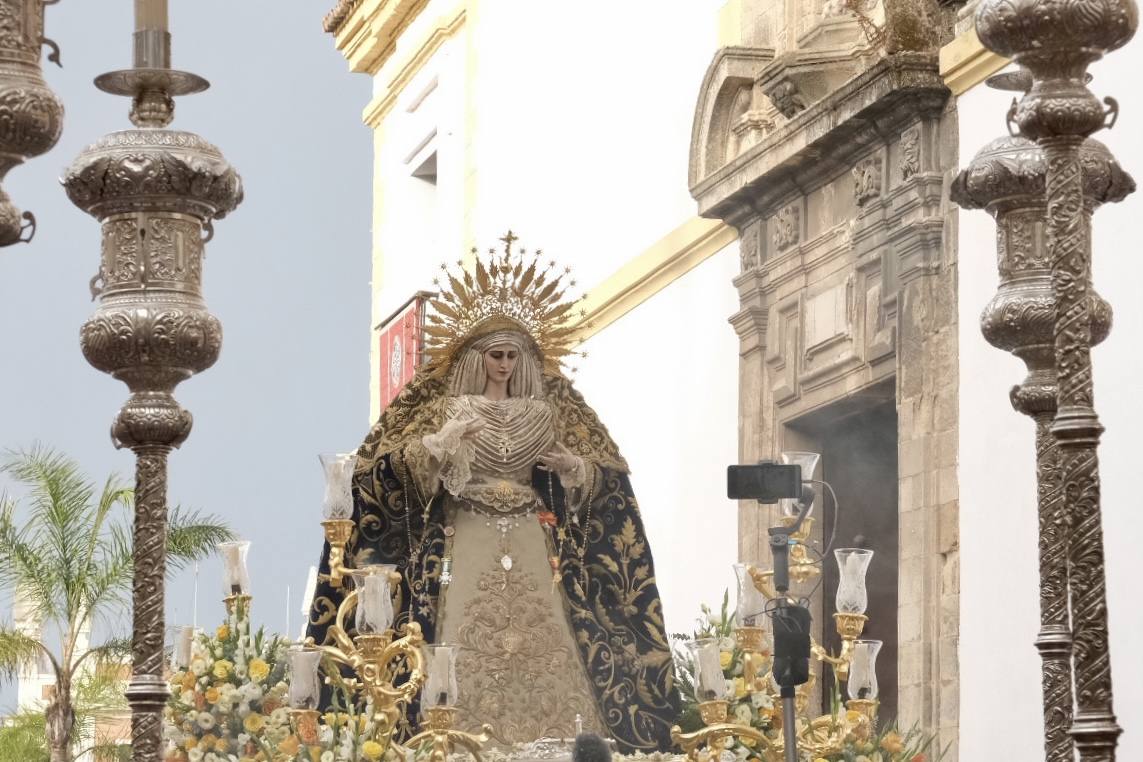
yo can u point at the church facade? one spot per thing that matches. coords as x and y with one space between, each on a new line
756 201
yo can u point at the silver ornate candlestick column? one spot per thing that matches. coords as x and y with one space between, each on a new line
31 116
156 192
1007 178
1056 40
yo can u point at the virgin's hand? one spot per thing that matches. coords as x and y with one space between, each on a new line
472 428
559 459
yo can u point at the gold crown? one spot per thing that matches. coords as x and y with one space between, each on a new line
509 291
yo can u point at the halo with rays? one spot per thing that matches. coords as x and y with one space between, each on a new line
504 290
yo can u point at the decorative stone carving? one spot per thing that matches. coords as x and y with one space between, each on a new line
867 179
786 98
750 246
31 117
787 227
910 161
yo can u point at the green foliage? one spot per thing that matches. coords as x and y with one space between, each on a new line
66 552
22 739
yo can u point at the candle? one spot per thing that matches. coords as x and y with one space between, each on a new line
151 15
183 647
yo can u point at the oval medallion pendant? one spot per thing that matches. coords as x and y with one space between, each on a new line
506 562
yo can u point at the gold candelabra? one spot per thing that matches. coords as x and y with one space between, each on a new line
441 739
824 734
377 657
716 730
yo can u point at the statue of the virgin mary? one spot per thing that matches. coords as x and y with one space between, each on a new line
508 510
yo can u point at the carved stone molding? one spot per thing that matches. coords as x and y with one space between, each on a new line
909 163
786 227
750 246
867 179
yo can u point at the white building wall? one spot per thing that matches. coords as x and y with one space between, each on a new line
584 124
664 380
1000 668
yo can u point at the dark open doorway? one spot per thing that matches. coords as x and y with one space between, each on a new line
857 438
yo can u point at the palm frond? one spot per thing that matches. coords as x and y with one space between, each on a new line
61 520
193 536
110 653
18 650
24 738
98 693
21 567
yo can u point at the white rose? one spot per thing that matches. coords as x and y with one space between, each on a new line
327 756
195 755
191 715
280 716
243 739
243 710
205 720
762 700
198 666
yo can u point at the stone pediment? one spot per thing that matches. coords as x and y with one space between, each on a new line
727 104
825 138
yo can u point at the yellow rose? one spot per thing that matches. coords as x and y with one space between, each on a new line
289 745
315 753
212 695
892 743
222 669
372 750
724 658
253 722
259 670
223 632
188 682
208 742
190 743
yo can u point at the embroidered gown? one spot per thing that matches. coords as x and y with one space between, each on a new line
518 667
476 527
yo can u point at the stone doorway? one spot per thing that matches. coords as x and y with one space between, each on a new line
857 437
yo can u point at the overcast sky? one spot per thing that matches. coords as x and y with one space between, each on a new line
287 274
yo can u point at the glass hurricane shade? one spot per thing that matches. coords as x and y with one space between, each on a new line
235 577
748 613
852 564
374 598
183 646
305 684
862 682
338 469
809 463
440 684
710 682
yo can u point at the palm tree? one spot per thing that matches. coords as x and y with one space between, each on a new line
70 561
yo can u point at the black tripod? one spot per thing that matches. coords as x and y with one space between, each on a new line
791 623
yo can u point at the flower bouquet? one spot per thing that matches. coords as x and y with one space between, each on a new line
229 703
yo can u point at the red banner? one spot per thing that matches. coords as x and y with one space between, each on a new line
401 338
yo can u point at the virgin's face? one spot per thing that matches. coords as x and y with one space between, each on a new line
500 362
